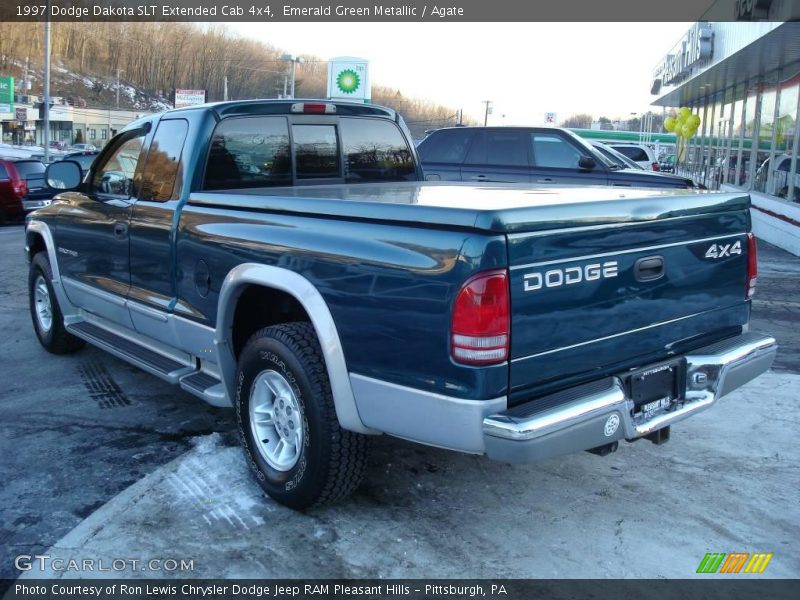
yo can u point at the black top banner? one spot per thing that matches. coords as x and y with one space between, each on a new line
400 11
399 589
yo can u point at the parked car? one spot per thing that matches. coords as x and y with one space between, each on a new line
284 258
627 163
57 144
543 155
667 163
90 147
617 157
779 186
22 187
641 154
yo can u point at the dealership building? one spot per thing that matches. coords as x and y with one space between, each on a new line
742 78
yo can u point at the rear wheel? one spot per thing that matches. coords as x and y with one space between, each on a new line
287 420
48 322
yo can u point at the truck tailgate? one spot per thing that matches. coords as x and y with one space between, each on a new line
590 301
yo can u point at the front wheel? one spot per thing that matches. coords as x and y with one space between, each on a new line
48 322
287 420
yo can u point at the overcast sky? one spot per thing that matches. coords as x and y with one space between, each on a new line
526 69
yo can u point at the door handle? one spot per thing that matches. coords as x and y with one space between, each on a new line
649 268
545 180
120 229
478 178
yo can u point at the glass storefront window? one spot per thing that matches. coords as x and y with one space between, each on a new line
764 139
787 118
736 134
745 169
779 181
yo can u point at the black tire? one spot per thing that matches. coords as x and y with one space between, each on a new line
332 461
56 339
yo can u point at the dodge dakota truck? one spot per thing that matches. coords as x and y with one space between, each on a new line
285 258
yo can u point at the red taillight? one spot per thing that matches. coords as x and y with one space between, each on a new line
480 329
752 266
20 187
656 166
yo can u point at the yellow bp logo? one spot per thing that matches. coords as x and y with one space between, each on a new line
348 81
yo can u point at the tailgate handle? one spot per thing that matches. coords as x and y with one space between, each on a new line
649 268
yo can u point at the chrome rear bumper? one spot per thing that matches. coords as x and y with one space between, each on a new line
601 412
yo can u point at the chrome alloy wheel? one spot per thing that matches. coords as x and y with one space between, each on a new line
276 420
44 308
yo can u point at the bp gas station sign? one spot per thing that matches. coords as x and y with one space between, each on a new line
348 79
6 94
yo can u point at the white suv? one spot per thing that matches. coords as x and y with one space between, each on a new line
641 154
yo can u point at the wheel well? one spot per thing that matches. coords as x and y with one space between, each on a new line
35 245
260 307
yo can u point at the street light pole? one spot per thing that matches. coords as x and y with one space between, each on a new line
46 107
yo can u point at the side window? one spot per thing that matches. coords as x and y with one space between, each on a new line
477 151
506 148
316 151
249 152
3 172
163 171
447 146
115 176
551 150
374 151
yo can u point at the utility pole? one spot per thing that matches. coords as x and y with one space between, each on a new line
294 60
46 107
225 88
460 116
285 84
488 104
294 73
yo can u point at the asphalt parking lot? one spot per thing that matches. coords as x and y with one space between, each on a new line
101 460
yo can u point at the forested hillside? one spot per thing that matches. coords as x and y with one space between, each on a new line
155 58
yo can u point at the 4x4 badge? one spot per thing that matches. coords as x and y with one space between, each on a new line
723 250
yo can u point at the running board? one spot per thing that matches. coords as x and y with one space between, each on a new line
157 364
205 386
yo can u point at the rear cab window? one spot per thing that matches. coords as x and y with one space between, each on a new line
3 172
375 151
266 151
249 152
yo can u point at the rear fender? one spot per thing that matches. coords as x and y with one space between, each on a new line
237 280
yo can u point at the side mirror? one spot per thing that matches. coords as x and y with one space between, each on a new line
63 175
587 163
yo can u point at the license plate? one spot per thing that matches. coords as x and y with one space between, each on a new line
651 408
656 388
